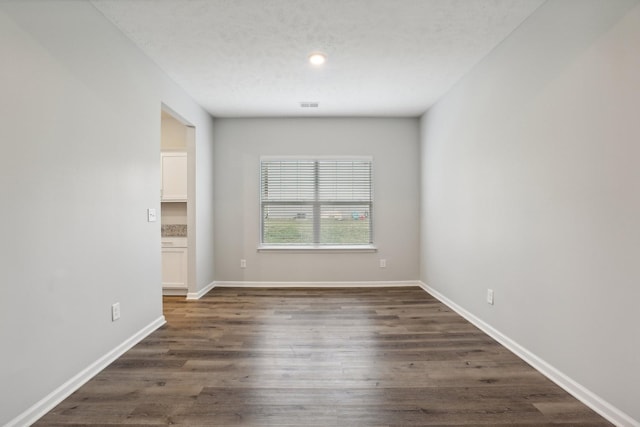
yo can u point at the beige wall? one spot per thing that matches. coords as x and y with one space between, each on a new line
173 133
174 213
530 185
239 143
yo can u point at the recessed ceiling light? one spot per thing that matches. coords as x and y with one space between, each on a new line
317 58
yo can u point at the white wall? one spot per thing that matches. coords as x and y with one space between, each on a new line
239 143
530 187
80 134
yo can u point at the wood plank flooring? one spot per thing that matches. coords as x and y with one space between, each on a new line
318 357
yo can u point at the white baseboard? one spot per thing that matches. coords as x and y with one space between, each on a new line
173 292
245 284
363 284
201 292
593 401
39 409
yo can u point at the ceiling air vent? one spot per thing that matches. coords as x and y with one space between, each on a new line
309 105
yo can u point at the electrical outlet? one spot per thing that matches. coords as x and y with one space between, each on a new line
243 263
115 312
490 296
383 263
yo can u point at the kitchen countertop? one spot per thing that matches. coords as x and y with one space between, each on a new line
174 230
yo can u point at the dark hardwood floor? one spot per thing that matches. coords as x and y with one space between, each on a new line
318 357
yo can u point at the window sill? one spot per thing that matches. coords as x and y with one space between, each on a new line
318 248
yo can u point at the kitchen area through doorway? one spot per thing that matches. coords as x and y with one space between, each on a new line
174 166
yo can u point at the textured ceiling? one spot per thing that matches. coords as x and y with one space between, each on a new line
241 58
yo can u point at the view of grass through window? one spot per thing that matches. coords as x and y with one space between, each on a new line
332 231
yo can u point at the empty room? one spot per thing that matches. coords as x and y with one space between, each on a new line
320 212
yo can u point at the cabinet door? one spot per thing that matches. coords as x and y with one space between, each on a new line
174 268
174 177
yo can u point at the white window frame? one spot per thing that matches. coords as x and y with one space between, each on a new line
286 247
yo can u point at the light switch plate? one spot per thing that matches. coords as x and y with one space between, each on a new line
152 216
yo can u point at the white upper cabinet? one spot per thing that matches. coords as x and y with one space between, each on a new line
174 176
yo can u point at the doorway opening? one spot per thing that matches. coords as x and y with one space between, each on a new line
177 139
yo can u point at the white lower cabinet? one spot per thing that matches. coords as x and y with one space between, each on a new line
174 266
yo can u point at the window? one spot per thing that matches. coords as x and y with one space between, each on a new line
316 203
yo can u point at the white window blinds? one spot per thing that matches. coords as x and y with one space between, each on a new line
316 202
